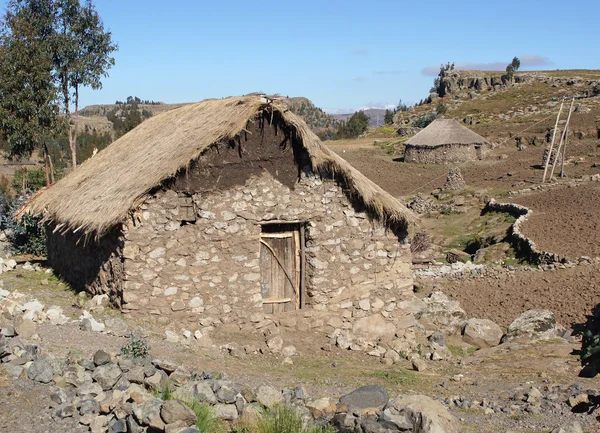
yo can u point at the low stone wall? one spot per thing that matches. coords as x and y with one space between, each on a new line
521 243
92 265
445 154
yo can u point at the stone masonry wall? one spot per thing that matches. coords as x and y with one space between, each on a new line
207 273
445 154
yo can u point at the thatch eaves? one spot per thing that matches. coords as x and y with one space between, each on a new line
442 132
103 190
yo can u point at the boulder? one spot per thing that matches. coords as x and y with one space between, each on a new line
40 371
101 358
269 396
455 256
482 333
366 397
425 414
25 328
373 328
107 375
532 325
440 313
147 411
173 411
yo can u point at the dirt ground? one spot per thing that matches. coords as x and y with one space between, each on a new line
565 220
570 293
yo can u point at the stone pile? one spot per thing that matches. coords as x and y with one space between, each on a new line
454 180
116 394
422 204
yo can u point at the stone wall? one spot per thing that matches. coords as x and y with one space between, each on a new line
445 154
95 266
524 246
207 273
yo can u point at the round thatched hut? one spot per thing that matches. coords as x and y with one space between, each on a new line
445 141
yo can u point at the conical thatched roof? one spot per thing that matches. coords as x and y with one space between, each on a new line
102 191
445 131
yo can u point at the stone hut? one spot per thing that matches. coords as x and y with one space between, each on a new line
445 141
224 211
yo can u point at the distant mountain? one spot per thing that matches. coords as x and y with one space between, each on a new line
376 116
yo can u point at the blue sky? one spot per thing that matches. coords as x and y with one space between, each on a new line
343 55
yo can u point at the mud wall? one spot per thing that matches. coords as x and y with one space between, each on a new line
445 154
95 266
205 273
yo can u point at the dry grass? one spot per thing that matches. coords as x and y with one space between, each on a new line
103 191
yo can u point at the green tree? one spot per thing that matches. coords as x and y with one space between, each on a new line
82 56
356 125
516 63
29 111
389 117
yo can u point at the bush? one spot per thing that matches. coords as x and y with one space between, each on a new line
424 120
441 109
32 180
136 347
207 421
356 125
27 236
286 419
590 344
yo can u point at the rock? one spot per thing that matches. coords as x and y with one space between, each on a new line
88 407
572 427
173 411
65 410
107 375
25 328
366 397
482 333
401 422
77 376
101 358
418 364
532 325
440 313
55 316
455 256
116 326
227 412
40 371
454 180
158 381
373 328
289 351
275 343
574 400
269 396
425 414
147 411
204 393
88 323
13 370
167 366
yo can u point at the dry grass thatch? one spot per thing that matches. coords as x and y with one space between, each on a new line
102 191
445 131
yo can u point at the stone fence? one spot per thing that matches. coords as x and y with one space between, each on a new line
521 243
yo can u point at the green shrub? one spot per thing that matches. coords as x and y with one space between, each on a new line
286 419
136 347
424 120
207 421
26 236
33 179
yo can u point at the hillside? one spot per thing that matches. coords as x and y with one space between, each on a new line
525 107
376 116
95 116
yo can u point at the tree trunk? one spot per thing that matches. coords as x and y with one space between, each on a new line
75 126
73 150
46 165
51 169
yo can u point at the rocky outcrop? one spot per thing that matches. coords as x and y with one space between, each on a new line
532 325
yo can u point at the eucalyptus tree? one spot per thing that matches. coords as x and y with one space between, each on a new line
82 56
29 110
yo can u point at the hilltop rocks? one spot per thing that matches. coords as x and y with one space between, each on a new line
532 325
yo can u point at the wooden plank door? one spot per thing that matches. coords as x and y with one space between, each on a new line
280 270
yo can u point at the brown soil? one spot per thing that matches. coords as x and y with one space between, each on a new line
570 293
565 221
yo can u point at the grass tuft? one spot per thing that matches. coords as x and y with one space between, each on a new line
207 421
286 419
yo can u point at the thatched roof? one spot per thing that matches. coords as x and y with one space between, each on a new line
445 131
103 190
